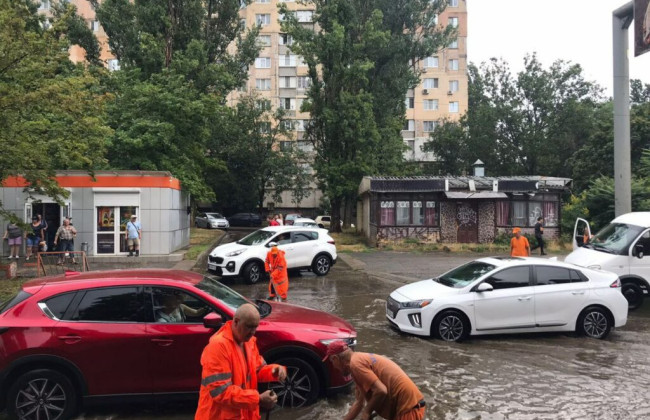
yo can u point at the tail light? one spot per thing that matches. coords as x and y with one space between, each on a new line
331 242
616 284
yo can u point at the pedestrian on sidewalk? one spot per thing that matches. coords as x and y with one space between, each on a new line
65 234
276 265
232 367
519 246
35 237
133 236
14 236
272 221
539 231
381 386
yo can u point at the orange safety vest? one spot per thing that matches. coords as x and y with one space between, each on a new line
276 265
229 380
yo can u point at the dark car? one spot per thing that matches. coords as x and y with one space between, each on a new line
131 334
245 219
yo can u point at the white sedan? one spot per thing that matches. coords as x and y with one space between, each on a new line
510 295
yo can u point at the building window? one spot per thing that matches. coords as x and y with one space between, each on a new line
503 213
304 82
409 102
387 214
453 107
452 3
305 146
430 104
428 126
286 125
453 86
418 213
263 19
286 146
287 60
301 124
45 5
411 145
409 125
453 45
263 104
525 213
431 62
94 25
263 1
265 127
287 82
519 216
453 22
263 63
264 40
453 64
113 64
403 210
263 84
285 39
288 103
304 15
430 214
431 83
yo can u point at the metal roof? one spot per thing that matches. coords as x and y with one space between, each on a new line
463 183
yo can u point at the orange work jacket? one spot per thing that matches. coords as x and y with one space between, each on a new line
276 266
229 380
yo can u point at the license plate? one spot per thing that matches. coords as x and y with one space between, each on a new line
212 266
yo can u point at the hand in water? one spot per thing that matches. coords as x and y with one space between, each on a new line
268 399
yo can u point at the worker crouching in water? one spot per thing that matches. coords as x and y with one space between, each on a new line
276 266
232 366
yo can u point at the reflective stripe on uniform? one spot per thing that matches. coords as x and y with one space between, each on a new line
220 389
216 377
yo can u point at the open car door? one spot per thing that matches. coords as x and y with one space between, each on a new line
580 229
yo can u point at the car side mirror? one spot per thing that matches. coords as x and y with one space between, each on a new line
484 287
639 250
212 321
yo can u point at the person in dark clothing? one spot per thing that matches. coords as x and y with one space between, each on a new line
539 231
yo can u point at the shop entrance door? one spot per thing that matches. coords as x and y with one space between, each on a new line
111 228
467 222
52 213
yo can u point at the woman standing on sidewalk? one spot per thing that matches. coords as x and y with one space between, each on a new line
14 235
35 237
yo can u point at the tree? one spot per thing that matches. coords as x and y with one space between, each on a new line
51 111
358 58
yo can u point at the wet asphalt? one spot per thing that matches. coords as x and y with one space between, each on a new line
526 376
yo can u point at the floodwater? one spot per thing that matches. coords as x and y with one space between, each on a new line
549 376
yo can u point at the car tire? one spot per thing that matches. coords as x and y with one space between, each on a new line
634 295
321 265
301 387
450 326
252 273
47 391
594 322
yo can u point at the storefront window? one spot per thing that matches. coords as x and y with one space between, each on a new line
105 219
430 214
110 233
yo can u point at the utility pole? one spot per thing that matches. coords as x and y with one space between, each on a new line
621 20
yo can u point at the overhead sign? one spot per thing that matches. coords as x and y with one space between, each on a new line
641 27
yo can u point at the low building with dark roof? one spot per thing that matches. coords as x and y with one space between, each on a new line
463 209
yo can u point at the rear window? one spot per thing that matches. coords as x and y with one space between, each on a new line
57 305
19 297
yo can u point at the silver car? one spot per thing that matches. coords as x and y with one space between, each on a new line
211 221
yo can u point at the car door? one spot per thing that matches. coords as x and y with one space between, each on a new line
201 220
305 247
284 243
104 334
511 303
176 344
580 228
559 295
641 266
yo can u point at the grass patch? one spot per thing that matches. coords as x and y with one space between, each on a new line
201 240
350 241
8 288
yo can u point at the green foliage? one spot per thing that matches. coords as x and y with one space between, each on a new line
51 111
571 210
358 60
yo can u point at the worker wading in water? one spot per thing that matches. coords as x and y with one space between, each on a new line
276 266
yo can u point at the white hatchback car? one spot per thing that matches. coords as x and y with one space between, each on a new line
510 295
305 248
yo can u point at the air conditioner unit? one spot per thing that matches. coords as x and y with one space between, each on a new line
425 91
450 93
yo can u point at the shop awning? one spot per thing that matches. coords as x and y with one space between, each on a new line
459 195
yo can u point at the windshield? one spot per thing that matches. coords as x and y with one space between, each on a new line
215 216
256 238
225 294
465 274
614 238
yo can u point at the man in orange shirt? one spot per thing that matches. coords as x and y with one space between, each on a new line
381 385
232 366
519 246
276 265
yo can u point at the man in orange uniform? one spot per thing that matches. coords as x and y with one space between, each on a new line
519 246
276 266
232 367
381 385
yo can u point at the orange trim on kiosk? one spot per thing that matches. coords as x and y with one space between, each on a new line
103 181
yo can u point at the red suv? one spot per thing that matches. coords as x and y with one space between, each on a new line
96 336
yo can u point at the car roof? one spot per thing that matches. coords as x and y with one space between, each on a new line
518 261
214 212
638 218
115 277
304 219
289 228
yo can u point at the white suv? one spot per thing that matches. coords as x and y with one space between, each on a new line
305 248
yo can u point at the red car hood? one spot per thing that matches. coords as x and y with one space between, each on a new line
312 319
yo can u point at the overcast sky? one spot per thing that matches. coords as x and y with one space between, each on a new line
576 30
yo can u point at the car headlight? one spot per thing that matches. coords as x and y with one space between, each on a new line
350 341
235 253
415 304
